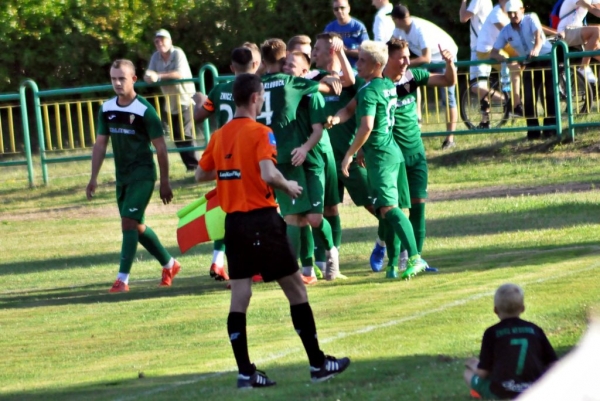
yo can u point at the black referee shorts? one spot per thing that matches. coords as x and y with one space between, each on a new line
256 242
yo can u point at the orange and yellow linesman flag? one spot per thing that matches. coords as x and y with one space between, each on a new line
201 221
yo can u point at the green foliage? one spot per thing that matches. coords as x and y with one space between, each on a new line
65 43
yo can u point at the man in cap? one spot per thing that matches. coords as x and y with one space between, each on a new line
169 63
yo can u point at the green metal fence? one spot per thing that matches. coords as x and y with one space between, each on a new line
65 128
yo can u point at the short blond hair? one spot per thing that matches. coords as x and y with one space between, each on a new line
377 50
509 299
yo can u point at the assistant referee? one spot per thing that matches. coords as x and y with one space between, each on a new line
241 156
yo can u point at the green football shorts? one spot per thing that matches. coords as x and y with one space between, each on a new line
331 194
357 184
388 185
482 386
133 198
417 174
311 199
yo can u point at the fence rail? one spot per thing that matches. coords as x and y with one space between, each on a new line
67 126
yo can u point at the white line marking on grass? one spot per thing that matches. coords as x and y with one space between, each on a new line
363 330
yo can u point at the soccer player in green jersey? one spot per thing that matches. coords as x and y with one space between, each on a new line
342 135
220 100
132 124
374 107
283 94
407 133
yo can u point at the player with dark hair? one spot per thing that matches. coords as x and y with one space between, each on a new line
242 157
132 124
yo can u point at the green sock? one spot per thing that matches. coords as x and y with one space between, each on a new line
417 219
403 229
128 250
324 232
392 244
219 245
320 252
307 246
381 229
336 229
150 241
293 233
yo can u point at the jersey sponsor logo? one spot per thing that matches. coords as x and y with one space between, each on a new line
229 175
112 116
332 99
515 387
274 84
389 92
272 140
131 118
405 102
226 96
126 131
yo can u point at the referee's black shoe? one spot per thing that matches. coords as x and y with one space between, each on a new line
331 367
256 379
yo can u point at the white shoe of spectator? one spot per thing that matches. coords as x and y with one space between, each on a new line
588 74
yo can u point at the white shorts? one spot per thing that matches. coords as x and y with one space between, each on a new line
480 70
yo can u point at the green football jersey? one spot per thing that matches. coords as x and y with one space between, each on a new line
341 135
283 94
131 130
406 126
311 110
220 100
377 98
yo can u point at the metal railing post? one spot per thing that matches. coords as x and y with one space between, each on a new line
213 70
25 122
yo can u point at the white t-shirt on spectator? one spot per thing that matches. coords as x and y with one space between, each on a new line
489 32
480 9
523 40
383 25
576 18
426 35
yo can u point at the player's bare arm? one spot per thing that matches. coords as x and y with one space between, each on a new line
495 54
299 153
330 85
362 134
204 176
449 78
342 115
464 14
274 178
98 155
347 77
166 194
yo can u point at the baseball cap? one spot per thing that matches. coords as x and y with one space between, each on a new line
164 33
514 6
400 11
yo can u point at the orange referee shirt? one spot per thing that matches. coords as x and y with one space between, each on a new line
234 151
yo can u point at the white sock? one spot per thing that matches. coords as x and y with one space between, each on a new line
380 242
321 265
308 271
170 264
218 258
124 277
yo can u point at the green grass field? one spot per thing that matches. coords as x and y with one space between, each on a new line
501 210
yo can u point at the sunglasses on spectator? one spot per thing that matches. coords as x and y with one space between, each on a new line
339 8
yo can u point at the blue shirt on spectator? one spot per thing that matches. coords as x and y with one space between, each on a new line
353 34
523 39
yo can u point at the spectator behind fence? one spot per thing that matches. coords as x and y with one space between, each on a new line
572 15
514 352
352 31
169 62
497 20
383 25
526 35
424 41
475 14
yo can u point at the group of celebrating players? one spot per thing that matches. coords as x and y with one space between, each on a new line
337 131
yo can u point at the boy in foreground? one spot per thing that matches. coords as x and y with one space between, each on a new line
242 157
514 353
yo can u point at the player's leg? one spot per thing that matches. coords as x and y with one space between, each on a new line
244 261
417 174
293 209
307 249
332 198
188 157
323 237
217 267
448 96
